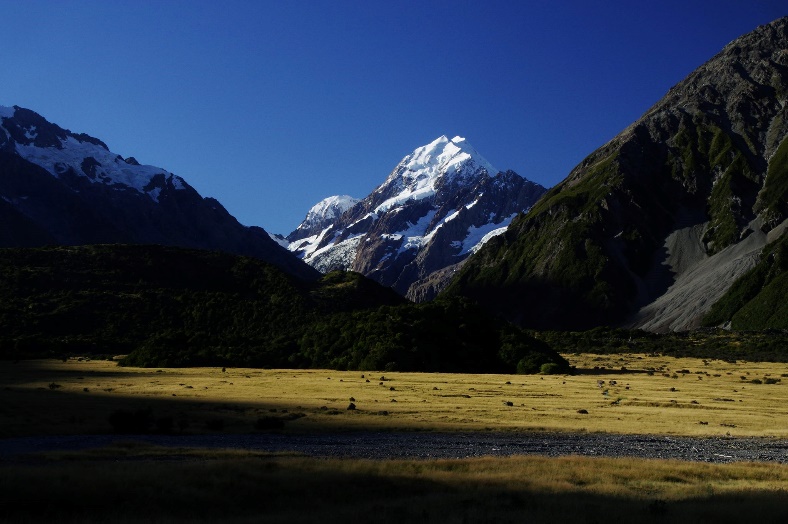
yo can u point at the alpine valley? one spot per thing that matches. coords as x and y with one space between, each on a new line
676 223
99 258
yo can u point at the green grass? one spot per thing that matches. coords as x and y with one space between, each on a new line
556 252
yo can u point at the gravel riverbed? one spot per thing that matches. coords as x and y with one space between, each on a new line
397 445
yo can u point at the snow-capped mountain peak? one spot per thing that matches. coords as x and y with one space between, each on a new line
436 207
418 174
441 157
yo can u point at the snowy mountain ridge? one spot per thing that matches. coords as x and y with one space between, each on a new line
64 188
59 152
438 205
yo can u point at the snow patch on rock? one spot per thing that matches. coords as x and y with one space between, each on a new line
110 169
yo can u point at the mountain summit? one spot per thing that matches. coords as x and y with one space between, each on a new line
63 188
652 228
438 205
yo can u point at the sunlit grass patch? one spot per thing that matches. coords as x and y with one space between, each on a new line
609 393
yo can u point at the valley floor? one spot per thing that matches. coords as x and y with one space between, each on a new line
241 445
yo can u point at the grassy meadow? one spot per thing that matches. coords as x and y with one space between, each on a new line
619 394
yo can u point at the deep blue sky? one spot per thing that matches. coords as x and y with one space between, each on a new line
270 106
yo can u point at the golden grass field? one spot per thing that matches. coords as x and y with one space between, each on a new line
651 395
131 482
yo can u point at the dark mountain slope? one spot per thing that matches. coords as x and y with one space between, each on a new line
58 187
757 299
696 183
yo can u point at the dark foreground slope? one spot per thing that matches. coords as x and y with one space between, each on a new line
652 228
167 306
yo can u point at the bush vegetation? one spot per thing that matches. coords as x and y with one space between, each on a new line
171 307
765 346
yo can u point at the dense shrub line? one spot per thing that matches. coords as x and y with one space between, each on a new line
164 306
766 346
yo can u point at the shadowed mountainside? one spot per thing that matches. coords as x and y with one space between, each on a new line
652 228
63 188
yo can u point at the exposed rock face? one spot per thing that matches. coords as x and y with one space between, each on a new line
692 188
438 205
58 187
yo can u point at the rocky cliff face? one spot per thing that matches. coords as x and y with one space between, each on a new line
653 227
438 206
59 187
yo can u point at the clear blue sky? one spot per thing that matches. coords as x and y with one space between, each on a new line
270 106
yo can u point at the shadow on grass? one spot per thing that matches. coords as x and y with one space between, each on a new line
277 489
53 411
18 373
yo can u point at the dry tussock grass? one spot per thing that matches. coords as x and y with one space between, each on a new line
621 394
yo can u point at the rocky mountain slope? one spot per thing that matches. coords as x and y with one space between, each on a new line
757 299
651 229
440 204
58 187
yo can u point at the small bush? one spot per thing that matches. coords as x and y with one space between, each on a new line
550 368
